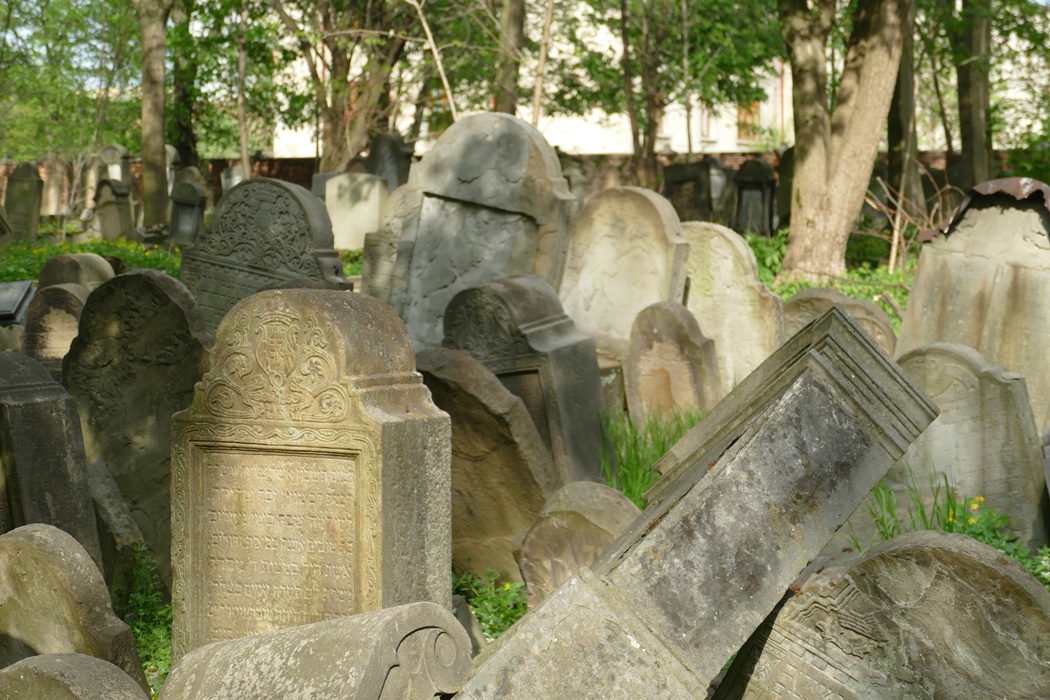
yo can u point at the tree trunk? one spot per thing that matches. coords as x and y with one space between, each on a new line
835 152
153 18
903 150
184 92
242 102
974 92
512 42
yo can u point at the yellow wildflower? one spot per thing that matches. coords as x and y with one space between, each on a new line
506 586
973 521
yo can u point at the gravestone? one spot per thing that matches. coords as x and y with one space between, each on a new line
785 181
53 198
116 164
44 478
355 205
382 272
113 210
318 183
141 348
417 651
231 177
518 330
14 302
687 187
310 475
22 201
734 309
55 602
925 615
51 324
488 201
875 217
750 496
982 283
119 537
756 198
670 366
69 677
188 203
625 252
91 171
390 158
576 525
985 439
501 471
174 162
263 231
808 304
192 175
85 269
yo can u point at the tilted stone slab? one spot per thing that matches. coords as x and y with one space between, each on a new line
310 475
68 677
53 601
411 652
727 530
263 231
925 615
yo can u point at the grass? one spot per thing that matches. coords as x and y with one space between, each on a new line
149 617
23 260
496 604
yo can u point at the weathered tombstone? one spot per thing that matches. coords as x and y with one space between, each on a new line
310 475
687 187
192 175
785 181
174 162
985 439
981 284
501 471
576 525
318 183
22 201
416 651
734 309
113 210
756 198
808 304
55 602
118 535
263 231
873 214
44 478
625 252
925 615
381 273
670 366
390 158
116 163
14 302
488 201
69 677
141 348
85 269
517 328
53 198
188 203
51 324
89 175
231 177
750 496
355 205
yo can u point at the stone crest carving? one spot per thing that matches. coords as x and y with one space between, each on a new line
482 327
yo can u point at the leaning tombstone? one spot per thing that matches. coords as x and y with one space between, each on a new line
579 522
85 269
14 302
488 201
734 309
516 327
55 602
22 201
756 198
925 615
188 202
390 158
51 324
415 651
501 471
263 231
141 348
670 367
310 475
116 164
113 210
53 197
355 205
69 677
981 283
808 304
44 478
625 252
765 481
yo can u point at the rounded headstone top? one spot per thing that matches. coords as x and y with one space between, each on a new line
68 676
755 170
938 354
86 269
18 369
113 154
25 171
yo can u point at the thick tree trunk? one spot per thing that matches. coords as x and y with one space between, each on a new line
183 93
903 149
835 152
153 19
513 40
974 92
242 98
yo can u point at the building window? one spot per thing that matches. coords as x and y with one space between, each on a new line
705 122
747 121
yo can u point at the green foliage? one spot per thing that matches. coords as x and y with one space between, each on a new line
497 605
149 618
23 261
353 261
634 449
